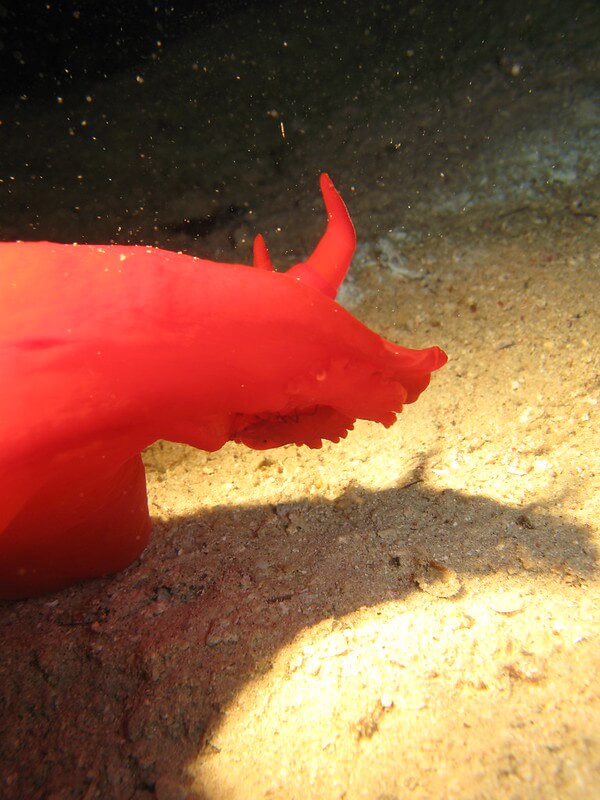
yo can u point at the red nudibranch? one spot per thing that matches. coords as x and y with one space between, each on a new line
105 349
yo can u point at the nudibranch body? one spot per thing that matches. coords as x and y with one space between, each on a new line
105 349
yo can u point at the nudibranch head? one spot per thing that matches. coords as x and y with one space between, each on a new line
359 374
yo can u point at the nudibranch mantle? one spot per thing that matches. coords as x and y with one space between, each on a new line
106 348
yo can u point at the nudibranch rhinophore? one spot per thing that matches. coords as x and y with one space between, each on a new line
106 348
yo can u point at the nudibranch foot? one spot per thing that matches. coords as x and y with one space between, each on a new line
74 528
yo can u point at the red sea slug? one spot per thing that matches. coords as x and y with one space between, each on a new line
105 349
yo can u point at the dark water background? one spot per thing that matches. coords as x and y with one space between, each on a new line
196 125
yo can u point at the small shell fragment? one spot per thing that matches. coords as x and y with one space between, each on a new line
507 603
438 580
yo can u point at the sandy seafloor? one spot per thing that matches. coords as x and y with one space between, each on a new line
413 612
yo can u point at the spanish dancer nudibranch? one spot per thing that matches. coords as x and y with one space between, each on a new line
105 349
